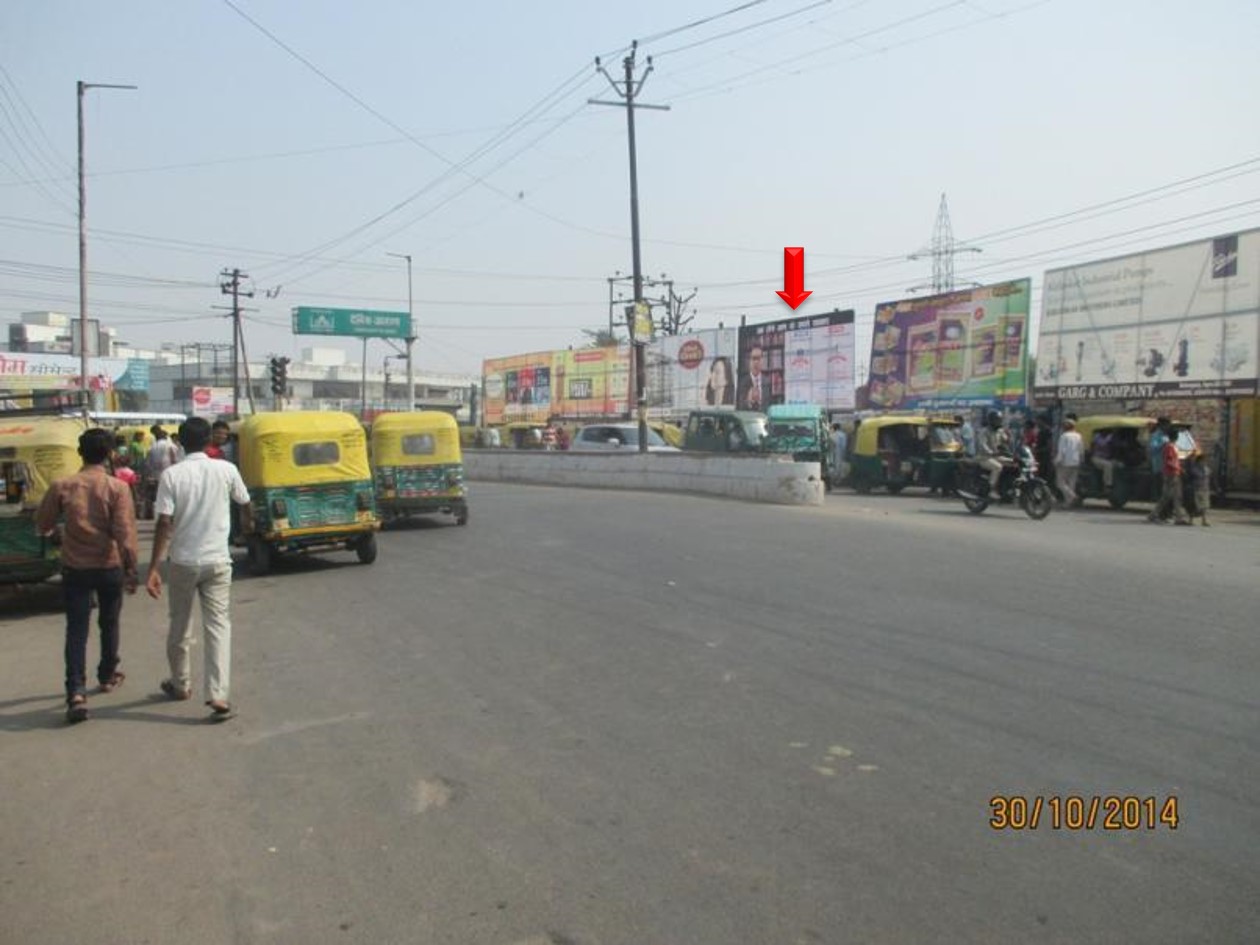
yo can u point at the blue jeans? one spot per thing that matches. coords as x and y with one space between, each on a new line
77 586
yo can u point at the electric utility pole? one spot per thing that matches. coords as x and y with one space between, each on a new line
628 90
231 285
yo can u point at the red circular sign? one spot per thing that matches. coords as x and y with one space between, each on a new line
690 354
201 396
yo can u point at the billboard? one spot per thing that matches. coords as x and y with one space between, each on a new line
572 384
686 372
518 387
959 349
806 360
23 373
212 402
1180 321
591 382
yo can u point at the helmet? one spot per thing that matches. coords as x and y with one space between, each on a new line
993 419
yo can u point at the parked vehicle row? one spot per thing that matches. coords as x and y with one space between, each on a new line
314 486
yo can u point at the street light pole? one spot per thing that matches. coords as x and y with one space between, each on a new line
411 336
80 88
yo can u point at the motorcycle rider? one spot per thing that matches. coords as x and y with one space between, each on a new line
992 446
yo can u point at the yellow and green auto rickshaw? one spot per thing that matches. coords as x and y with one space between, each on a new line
33 453
417 465
895 452
310 485
523 435
1126 438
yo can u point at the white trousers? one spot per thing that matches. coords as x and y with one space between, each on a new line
212 583
1066 477
1108 467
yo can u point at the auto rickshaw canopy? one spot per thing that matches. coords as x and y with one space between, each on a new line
1088 426
420 438
866 442
47 447
302 447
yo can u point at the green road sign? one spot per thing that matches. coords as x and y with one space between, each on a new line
351 322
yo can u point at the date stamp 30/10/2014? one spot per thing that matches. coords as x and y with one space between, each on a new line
1083 812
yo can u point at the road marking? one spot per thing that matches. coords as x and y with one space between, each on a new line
825 771
290 728
839 751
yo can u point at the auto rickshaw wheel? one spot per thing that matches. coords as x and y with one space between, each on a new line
260 555
365 548
461 515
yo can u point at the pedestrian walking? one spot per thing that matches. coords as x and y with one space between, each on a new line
1200 476
193 524
1170 501
162 454
98 556
1067 462
1160 434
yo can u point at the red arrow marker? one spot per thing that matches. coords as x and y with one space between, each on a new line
794 291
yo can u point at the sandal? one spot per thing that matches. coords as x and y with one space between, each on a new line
220 711
174 692
76 708
113 682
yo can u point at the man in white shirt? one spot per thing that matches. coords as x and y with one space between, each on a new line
1067 462
193 522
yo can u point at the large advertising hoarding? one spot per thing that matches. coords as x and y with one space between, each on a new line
696 370
957 350
1180 321
24 373
518 387
591 382
807 360
570 384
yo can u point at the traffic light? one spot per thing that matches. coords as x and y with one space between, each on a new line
279 375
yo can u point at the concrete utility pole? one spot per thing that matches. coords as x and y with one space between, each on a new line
232 286
80 88
628 91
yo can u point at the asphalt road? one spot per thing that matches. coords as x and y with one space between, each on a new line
595 717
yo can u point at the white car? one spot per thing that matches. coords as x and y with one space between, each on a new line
618 436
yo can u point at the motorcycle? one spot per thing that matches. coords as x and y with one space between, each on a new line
1018 482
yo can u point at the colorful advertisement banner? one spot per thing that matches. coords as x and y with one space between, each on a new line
568 384
808 360
692 371
592 382
1180 321
22 373
959 349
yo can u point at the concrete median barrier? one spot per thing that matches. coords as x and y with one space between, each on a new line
751 478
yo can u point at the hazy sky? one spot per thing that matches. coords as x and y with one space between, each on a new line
304 146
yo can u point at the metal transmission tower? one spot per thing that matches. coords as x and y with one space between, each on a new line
628 91
943 249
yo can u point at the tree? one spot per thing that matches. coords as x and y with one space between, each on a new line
601 338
